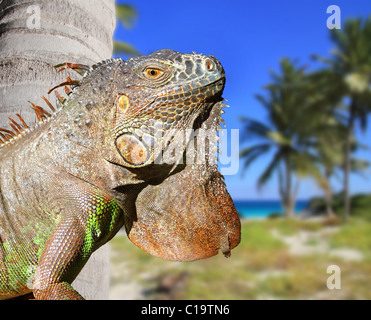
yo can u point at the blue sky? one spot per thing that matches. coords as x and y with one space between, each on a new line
249 38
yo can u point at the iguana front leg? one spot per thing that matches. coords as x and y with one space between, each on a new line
60 262
92 218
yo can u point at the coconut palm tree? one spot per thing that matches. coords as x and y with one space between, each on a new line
285 136
35 36
327 146
326 131
350 69
329 151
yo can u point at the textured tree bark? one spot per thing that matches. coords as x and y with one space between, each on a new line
328 194
347 164
287 197
35 36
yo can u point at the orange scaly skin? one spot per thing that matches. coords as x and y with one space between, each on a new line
69 184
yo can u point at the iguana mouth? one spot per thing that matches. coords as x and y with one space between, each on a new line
197 90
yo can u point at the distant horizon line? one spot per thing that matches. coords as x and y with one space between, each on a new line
259 199
300 199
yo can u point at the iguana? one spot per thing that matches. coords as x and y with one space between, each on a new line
70 183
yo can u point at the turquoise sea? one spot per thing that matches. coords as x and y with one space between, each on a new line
263 208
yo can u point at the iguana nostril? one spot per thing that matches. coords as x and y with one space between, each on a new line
209 65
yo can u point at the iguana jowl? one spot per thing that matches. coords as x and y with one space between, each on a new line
68 185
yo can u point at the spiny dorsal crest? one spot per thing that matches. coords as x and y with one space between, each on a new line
21 128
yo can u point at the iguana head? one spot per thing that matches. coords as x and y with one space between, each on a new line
133 109
158 97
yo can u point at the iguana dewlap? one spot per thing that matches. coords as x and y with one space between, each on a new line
190 215
69 184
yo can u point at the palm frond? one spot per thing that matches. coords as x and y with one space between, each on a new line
126 14
120 47
268 172
250 154
254 128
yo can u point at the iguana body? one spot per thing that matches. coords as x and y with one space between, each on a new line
71 183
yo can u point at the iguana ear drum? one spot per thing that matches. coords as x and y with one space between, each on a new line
132 149
124 102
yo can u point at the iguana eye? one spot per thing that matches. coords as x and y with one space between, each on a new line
153 73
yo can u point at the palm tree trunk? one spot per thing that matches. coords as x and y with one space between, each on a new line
285 184
38 34
347 164
35 35
328 195
289 208
346 180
